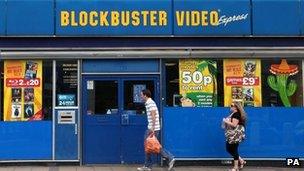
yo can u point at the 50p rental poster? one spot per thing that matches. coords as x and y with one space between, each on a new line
198 82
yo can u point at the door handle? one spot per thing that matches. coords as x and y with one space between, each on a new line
76 129
125 119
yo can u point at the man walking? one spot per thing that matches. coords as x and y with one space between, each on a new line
153 127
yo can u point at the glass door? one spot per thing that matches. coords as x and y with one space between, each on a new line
114 118
134 118
101 124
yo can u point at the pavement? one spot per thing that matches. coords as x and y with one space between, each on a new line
134 167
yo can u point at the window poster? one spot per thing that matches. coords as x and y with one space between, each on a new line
66 100
67 74
198 82
22 90
281 80
137 88
242 81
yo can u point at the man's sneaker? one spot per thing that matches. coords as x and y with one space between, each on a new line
171 164
144 168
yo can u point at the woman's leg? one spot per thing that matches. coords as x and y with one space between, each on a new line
236 164
233 150
242 162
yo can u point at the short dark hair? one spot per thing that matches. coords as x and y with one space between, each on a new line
146 92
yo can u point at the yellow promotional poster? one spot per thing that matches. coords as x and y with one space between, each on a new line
23 90
197 82
242 81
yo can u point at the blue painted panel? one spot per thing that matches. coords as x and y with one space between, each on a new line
133 136
101 139
276 17
26 140
233 17
2 17
126 66
101 143
302 16
68 21
66 140
30 17
268 130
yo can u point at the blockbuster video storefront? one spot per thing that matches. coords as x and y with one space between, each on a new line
72 73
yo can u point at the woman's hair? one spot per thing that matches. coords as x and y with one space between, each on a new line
241 110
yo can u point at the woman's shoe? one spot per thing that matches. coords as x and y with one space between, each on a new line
242 163
234 169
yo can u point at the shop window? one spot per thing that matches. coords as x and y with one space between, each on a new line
47 86
282 82
102 97
133 104
27 88
66 83
194 82
253 82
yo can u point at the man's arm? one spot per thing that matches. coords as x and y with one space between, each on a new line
153 114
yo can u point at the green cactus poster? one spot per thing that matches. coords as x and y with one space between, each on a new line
197 82
280 81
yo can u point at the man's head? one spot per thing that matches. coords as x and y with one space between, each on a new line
145 94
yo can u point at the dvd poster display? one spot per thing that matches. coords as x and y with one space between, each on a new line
28 95
242 81
16 112
16 95
28 110
31 69
24 87
197 83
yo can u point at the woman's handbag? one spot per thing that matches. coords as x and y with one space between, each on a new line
152 145
235 135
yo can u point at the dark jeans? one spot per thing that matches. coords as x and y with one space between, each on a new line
148 157
233 150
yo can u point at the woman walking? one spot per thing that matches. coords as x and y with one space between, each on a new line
235 127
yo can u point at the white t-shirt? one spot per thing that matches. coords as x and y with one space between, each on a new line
150 106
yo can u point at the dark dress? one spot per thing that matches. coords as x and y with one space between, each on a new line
233 148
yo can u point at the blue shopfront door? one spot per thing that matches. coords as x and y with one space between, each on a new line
114 118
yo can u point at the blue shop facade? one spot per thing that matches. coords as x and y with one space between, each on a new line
72 73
